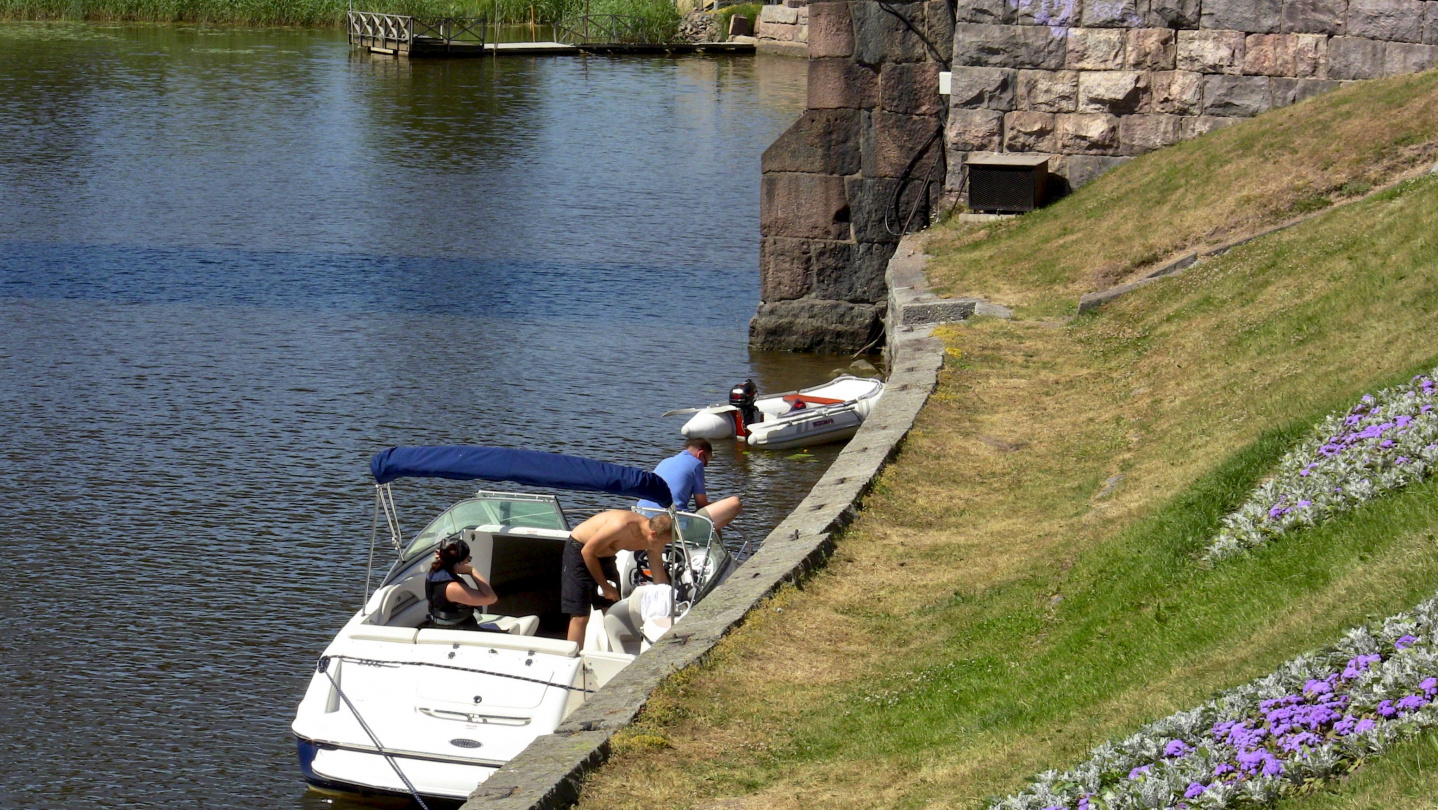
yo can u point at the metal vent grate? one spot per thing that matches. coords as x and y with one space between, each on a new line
1007 183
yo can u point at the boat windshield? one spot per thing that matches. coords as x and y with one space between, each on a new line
696 531
492 512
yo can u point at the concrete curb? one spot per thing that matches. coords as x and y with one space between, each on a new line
549 773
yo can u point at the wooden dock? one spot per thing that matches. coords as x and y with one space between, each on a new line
467 38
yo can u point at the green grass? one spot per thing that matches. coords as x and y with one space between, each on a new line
1293 161
1405 778
989 616
750 10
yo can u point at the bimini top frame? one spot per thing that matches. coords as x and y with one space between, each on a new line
528 467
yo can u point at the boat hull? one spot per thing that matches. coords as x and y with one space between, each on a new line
834 411
369 775
828 425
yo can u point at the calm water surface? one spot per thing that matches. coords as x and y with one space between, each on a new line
235 264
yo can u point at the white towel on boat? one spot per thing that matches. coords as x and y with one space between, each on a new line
657 603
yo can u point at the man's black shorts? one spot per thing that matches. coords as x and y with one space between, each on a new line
578 591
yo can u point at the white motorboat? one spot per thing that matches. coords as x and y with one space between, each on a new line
396 709
825 413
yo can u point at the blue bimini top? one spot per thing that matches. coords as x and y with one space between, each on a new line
529 467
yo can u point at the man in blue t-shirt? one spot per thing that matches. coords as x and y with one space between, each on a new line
685 475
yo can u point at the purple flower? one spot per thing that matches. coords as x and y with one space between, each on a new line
1385 709
1344 727
1317 687
1177 749
1412 703
1429 685
1083 801
1400 460
1139 771
1358 665
1365 724
1404 642
1303 504
1386 443
1194 789
1295 742
1223 768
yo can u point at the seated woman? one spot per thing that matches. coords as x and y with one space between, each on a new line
451 599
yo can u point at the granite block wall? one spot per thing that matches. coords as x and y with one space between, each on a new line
1095 82
872 136
1092 83
784 28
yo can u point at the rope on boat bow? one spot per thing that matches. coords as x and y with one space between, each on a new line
324 667
375 662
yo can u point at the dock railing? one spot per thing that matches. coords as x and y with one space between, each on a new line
388 32
399 33
614 29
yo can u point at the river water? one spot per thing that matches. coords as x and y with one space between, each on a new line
235 264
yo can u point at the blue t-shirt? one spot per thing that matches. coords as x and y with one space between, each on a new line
685 476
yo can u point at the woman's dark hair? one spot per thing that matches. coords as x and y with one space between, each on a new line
452 551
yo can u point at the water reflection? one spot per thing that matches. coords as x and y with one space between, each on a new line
234 264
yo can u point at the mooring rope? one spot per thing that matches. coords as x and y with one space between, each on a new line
323 666
375 662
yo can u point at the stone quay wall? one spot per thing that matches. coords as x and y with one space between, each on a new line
873 118
1095 82
784 28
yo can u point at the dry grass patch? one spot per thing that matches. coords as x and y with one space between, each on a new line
1289 162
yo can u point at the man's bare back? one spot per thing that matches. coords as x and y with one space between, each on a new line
603 536
607 533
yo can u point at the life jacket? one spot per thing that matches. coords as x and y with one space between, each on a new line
441 609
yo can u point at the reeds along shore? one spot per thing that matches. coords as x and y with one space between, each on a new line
323 12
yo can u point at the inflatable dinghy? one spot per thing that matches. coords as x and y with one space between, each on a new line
825 413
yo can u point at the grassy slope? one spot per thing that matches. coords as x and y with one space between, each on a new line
1204 192
994 612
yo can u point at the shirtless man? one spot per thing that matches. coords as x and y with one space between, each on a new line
589 560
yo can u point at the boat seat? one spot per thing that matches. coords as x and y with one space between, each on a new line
513 625
622 622
625 626
794 399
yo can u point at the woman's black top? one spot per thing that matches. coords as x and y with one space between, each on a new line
441 609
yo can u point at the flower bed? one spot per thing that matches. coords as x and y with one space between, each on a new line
1318 716
1388 440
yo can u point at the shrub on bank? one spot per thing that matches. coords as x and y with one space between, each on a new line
750 10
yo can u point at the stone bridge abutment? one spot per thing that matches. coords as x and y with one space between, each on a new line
1091 83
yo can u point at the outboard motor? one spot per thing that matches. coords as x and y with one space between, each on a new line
742 397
